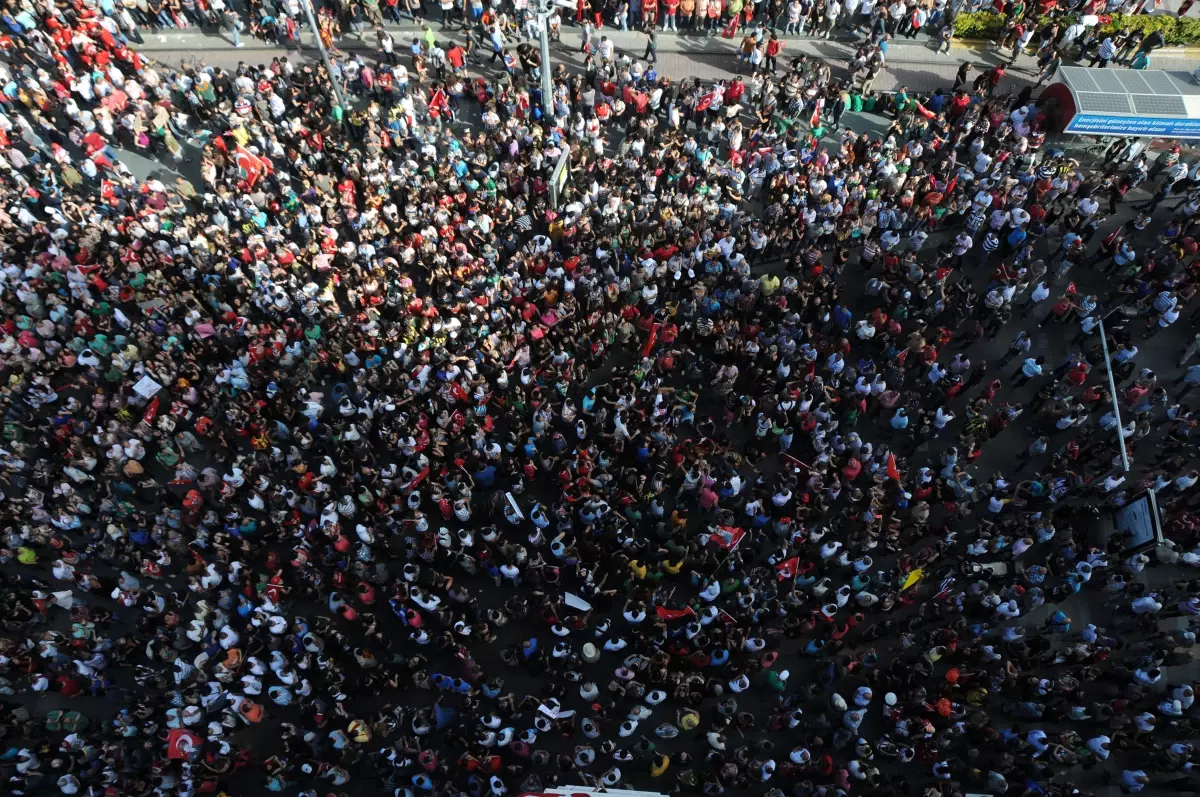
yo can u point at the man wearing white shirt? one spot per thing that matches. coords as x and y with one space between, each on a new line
1099 745
1069 36
833 10
1146 604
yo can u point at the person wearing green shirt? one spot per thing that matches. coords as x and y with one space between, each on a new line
371 8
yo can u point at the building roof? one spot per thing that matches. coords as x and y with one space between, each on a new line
1135 92
1128 101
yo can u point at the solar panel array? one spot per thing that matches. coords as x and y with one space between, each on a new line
1098 102
1130 92
1158 105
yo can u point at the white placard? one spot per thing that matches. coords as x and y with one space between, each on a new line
146 387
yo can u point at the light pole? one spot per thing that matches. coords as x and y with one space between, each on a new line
312 24
545 8
544 44
1112 391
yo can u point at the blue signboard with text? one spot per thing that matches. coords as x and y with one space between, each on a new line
1104 125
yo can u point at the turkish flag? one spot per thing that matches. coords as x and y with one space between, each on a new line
420 477
788 569
649 347
181 743
108 189
728 537
250 163
892 471
673 614
440 102
151 412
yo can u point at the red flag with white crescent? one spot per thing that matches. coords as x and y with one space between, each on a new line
673 614
892 471
181 743
649 347
439 101
108 189
788 569
815 121
151 414
420 477
250 163
728 537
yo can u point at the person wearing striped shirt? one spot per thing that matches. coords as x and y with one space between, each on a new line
991 242
1107 52
870 253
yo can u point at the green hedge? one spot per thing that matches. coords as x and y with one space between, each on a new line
989 25
979 25
1176 30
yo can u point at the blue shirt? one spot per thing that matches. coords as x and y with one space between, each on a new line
1124 355
486 476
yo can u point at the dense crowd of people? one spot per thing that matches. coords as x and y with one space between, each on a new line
357 465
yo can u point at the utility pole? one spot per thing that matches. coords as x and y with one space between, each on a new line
316 32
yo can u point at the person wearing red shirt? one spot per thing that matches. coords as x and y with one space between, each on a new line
959 105
93 143
649 13
670 10
1078 375
734 92
456 56
774 48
